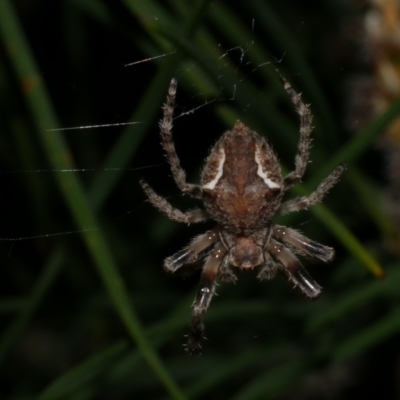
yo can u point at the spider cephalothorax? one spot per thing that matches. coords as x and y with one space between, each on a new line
242 188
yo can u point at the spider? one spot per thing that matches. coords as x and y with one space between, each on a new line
242 188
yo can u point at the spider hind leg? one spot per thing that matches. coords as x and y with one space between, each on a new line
292 268
302 245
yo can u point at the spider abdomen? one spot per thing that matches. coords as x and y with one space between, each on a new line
241 180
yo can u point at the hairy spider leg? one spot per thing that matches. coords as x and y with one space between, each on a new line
198 248
293 269
300 203
168 144
301 244
279 244
191 216
203 298
303 151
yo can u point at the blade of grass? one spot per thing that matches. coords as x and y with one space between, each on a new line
59 157
347 239
369 198
337 228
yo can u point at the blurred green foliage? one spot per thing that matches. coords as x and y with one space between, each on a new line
87 311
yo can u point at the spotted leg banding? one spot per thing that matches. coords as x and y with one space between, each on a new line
301 244
304 202
198 248
166 139
292 268
205 293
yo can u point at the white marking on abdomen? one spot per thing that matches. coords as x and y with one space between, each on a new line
264 175
211 185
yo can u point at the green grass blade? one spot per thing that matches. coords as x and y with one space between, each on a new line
347 239
59 157
370 198
339 230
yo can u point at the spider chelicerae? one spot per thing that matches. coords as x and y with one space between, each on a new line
242 188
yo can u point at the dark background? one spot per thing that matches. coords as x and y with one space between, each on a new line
86 308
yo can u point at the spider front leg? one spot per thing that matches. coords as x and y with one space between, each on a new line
205 293
293 269
304 142
300 203
166 139
173 213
